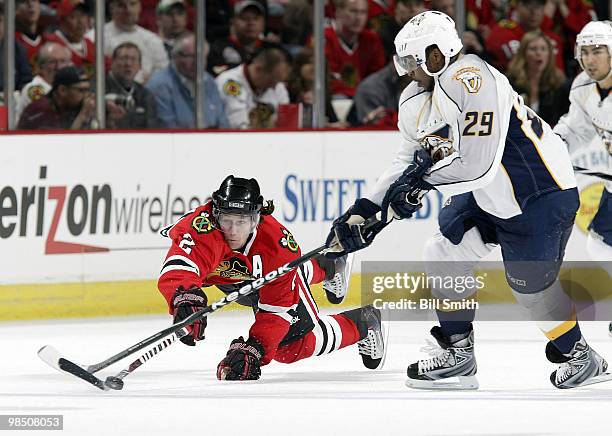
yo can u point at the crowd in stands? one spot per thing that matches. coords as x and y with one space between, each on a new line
260 59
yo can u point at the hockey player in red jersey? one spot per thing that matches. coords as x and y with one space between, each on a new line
234 238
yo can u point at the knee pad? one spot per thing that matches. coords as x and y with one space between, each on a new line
530 277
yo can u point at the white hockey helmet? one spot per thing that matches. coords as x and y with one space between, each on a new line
422 31
594 33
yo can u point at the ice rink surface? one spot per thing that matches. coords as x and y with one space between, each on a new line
176 392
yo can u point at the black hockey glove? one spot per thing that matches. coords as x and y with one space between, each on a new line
403 197
348 232
184 304
242 361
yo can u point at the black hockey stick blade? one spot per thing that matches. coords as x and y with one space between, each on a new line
588 172
54 359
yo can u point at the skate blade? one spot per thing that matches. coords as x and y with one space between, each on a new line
386 326
461 383
606 376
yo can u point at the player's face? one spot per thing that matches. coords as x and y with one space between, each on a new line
596 61
422 78
236 229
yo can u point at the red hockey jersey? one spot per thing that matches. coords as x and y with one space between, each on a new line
350 65
199 256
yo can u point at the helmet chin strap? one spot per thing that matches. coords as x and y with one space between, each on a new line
429 73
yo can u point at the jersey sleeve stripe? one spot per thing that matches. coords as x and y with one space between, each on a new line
179 263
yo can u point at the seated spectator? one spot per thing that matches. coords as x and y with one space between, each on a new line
27 30
23 73
404 11
377 97
253 91
50 58
352 51
73 16
123 28
174 90
133 106
533 74
69 105
246 37
505 37
171 22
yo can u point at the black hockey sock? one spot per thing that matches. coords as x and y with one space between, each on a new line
565 343
455 322
357 318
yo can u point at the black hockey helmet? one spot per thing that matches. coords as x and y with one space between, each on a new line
237 196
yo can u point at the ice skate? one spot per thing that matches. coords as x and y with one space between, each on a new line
582 366
373 348
451 367
337 288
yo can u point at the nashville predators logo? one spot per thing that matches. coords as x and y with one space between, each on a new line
202 223
36 92
288 242
589 204
470 78
233 268
232 88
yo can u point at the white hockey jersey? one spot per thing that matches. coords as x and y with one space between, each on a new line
505 154
245 109
589 116
32 91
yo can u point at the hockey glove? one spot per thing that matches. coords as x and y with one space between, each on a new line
403 197
242 361
184 304
348 232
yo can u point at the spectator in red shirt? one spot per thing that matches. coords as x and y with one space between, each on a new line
352 51
27 32
73 18
69 105
505 38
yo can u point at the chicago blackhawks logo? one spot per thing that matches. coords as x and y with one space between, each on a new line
470 78
232 88
233 268
202 223
288 242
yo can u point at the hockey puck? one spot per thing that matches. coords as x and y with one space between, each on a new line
114 383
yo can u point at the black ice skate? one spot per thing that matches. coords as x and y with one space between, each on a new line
582 366
337 288
373 348
451 367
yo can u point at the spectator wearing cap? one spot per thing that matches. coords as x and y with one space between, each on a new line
73 16
23 73
171 22
50 58
246 37
130 105
352 51
174 90
505 38
27 29
69 105
252 92
123 27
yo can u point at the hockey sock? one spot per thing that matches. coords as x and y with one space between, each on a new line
356 321
350 332
455 322
566 341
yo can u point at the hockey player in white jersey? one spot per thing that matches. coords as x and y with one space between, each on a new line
590 117
512 184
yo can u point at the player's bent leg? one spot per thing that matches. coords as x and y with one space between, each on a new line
338 331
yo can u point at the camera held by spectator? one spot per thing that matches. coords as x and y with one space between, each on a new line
125 101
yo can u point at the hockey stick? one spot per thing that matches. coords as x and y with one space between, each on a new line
588 172
86 372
